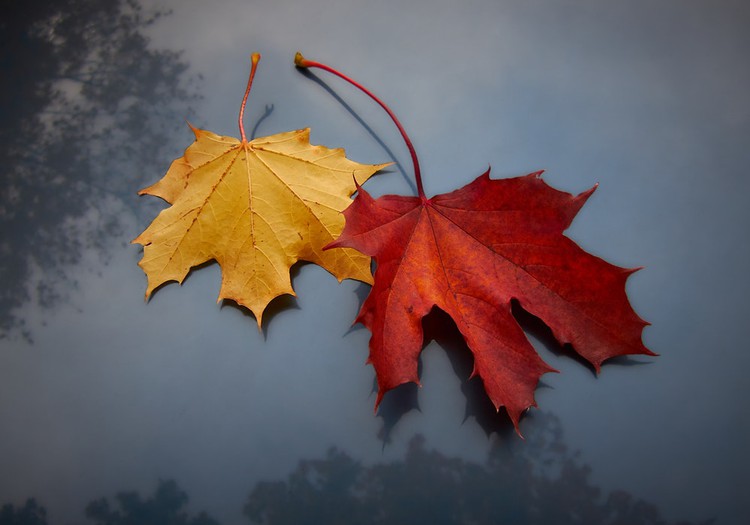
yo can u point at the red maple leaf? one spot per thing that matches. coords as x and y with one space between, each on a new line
470 253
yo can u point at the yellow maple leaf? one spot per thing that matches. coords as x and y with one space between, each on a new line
256 207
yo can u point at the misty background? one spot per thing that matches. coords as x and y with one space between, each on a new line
180 411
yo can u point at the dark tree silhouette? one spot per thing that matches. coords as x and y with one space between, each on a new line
165 507
86 110
319 491
531 482
30 514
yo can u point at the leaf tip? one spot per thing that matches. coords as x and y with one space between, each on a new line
630 271
331 245
586 194
196 131
357 185
378 399
514 416
150 287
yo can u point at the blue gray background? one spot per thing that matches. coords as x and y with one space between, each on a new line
647 98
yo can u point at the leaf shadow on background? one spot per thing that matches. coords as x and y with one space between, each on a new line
278 304
395 405
370 131
289 302
361 292
275 307
533 326
440 327
266 113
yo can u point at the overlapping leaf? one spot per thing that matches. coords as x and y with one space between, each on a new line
256 207
470 253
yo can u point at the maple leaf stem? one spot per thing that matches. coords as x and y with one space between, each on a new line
301 62
255 59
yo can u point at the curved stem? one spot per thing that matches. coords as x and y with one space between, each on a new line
301 62
255 59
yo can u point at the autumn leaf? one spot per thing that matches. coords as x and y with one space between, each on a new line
256 207
472 252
